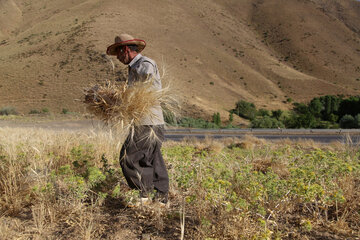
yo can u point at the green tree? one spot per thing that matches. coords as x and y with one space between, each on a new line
331 107
303 117
277 114
231 117
245 109
301 108
217 119
350 106
315 107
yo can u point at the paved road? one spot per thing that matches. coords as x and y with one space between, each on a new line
354 139
318 135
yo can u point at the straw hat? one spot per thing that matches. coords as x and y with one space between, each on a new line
125 39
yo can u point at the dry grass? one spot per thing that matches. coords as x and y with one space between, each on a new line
29 158
124 106
221 189
217 145
207 144
119 104
265 164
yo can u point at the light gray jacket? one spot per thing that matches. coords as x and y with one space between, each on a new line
142 68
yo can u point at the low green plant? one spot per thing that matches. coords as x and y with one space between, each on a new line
237 188
263 112
231 117
65 111
266 122
236 183
196 123
8 111
34 111
169 117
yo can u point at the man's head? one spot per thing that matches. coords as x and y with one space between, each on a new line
126 48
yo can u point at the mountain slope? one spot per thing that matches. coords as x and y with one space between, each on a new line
215 52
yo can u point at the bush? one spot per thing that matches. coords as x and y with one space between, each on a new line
34 111
333 118
266 122
245 109
348 121
8 111
324 125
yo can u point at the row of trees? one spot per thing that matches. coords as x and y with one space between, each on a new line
321 112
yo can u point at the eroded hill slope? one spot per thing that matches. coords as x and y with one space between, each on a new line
215 52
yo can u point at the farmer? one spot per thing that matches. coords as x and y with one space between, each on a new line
140 157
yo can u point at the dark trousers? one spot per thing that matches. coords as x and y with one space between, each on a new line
141 161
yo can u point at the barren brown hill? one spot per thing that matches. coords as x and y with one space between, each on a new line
217 52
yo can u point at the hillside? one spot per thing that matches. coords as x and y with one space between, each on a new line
215 52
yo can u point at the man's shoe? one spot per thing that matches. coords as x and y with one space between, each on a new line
161 197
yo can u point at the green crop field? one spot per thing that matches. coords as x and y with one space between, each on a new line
68 185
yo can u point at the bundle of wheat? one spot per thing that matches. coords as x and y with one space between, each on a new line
121 105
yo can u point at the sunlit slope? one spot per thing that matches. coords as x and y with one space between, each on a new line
215 52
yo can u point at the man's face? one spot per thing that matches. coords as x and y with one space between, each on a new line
123 55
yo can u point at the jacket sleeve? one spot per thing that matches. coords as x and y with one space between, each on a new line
146 71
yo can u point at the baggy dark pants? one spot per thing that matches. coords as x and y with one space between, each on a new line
141 161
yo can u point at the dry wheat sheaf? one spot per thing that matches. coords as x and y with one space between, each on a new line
123 106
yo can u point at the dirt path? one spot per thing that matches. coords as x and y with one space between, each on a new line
54 124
